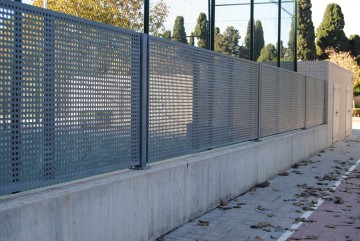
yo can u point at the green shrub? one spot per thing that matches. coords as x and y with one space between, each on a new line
356 112
357 90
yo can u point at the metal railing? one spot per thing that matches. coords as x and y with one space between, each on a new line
79 98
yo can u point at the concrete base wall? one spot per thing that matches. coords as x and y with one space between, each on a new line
141 205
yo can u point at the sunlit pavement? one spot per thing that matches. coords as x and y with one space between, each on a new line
338 217
319 199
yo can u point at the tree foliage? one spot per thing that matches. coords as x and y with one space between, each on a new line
268 54
258 44
229 42
283 50
125 14
201 31
245 50
166 34
218 40
306 49
192 39
330 33
347 61
179 33
354 46
259 41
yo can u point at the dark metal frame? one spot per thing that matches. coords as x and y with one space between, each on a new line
211 15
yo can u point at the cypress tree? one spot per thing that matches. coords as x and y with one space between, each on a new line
218 40
191 42
306 49
330 33
179 33
259 41
245 52
354 46
258 44
201 31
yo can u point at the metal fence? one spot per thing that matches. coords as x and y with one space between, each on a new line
198 99
79 98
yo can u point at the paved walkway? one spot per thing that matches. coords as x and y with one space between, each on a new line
317 199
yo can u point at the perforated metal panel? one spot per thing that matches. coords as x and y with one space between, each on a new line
198 99
69 97
315 90
282 100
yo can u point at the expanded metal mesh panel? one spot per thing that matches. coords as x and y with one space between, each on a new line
69 95
198 99
315 91
282 101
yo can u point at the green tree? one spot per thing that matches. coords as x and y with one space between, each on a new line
179 33
268 54
229 43
218 40
330 33
259 41
245 50
192 39
291 42
201 32
283 50
166 34
258 44
125 14
306 49
354 46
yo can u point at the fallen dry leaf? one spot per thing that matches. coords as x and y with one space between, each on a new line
203 222
284 174
330 226
338 200
263 184
261 225
223 202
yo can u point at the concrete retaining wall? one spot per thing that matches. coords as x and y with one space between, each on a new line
141 205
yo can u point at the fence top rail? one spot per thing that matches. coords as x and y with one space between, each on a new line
288 71
30 9
217 54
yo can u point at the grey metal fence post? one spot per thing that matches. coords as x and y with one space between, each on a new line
211 101
146 16
259 101
16 96
212 24
279 34
144 102
252 22
295 34
306 80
